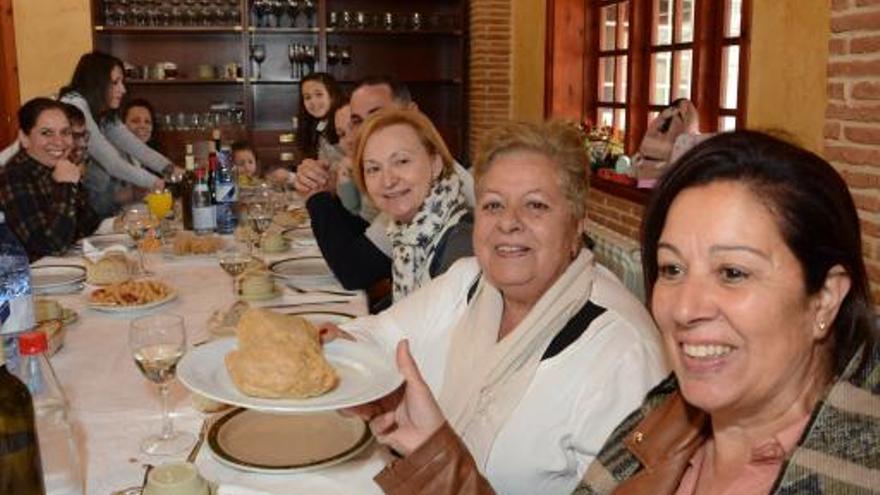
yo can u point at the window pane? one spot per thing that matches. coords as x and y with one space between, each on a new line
606 117
729 75
683 64
726 123
661 66
608 33
732 18
620 93
620 119
606 79
623 31
685 32
662 22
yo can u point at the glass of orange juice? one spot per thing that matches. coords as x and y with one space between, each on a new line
159 202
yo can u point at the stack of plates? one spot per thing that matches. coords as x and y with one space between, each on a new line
57 279
307 271
300 236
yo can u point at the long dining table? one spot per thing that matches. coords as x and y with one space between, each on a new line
113 407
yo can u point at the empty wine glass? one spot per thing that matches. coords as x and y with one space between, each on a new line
332 55
293 7
258 55
234 260
293 50
138 221
345 55
157 343
308 9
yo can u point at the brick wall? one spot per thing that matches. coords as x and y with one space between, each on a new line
619 215
852 126
490 66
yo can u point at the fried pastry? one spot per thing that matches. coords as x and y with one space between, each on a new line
280 357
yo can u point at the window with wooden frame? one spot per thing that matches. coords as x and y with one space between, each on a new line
640 55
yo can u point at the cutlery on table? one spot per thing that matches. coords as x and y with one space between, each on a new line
195 449
314 303
332 292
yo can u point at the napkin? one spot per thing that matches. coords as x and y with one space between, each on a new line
230 489
94 254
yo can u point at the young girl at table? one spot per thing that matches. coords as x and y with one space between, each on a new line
316 137
245 159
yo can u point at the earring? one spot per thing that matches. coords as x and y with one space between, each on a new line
822 325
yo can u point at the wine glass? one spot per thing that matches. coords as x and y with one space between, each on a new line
308 9
157 343
293 7
293 56
260 215
258 54
234 260
137 221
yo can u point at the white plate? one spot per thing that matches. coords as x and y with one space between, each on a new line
51 277
310 271
300 236
103 241
282 443
365 374
114 308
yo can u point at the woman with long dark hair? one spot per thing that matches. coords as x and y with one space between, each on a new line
97 88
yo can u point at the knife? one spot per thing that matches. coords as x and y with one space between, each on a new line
315 303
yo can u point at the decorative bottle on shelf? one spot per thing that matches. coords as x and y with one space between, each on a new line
226 191
16 301
186 187
21 471
203 209
61 470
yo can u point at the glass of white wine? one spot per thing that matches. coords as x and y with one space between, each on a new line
234 260
260 214
138 221
157 343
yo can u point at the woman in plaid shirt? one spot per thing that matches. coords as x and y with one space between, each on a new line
40 193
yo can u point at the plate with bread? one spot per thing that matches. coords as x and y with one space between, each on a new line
132 295
276 363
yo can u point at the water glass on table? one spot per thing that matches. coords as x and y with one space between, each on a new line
138 221
157 343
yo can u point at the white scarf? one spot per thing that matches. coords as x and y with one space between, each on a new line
413 244
485 379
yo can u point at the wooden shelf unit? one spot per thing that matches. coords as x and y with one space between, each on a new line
432 60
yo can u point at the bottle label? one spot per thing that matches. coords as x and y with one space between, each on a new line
204 218
226 192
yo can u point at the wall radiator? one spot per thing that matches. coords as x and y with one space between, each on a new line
620 254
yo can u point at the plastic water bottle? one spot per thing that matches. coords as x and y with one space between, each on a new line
16 301
226 189
61 470
203 211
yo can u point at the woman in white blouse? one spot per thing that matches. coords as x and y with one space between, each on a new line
534 351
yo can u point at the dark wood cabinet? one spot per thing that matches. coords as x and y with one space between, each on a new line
209 42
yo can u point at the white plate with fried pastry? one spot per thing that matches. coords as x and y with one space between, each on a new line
134 295
365 374
258 442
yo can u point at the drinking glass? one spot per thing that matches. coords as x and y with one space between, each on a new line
138 221
258 54
309 8
160 202
260 215
157 343
234 260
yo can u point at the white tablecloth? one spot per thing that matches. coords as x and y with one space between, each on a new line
113 407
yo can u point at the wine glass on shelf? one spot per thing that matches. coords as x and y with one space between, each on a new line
308 9
234 260
293 7
332 55
157 343
258 54
345 55
293 56
137 221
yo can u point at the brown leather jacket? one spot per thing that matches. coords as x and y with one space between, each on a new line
441 466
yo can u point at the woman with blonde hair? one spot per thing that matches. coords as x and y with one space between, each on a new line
404 166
